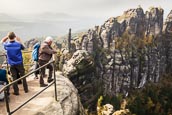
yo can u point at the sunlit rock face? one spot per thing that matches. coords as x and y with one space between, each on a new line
126 51
124 68
154 21
80 62
110 29
134 21
168 24
154 52
112 62
85 41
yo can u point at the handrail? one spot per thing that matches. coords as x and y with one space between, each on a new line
17 108
8 85
25 75
2 54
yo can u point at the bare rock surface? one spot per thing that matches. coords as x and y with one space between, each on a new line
68 102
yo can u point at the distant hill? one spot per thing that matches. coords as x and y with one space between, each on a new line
45 24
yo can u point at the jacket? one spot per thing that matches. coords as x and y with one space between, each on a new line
45 52
14 54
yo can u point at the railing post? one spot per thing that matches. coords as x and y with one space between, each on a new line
69 40
55 87
7 103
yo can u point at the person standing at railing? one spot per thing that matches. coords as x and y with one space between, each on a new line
3 77
13 48
35 56
45 54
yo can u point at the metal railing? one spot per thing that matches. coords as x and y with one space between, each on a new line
9 112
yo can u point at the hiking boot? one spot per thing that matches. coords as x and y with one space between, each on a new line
26 91
50 80
16 93
36 77
43 85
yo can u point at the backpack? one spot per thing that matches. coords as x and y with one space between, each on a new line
35 52
3 82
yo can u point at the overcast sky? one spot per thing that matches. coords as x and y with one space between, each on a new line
54 17
90 8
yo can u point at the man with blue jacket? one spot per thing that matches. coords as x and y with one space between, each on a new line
13 49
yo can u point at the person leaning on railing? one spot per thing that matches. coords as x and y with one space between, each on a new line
45 54
13 49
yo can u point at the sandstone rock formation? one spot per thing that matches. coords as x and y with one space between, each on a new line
124 53
128 51
80 70
80 62
68 100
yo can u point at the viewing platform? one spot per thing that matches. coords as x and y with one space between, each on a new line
34 105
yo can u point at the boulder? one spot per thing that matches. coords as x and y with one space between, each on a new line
80 62
68 100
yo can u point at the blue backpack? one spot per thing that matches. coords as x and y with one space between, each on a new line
35 52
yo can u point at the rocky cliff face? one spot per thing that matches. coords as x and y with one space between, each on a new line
123 54
128 51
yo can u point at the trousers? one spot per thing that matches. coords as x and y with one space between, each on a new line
49 66
18 69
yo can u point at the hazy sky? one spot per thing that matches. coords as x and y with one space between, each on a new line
90 8
54 17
